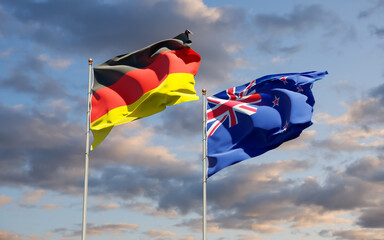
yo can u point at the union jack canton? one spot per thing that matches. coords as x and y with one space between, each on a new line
227 108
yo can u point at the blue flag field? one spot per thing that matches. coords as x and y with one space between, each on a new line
249 120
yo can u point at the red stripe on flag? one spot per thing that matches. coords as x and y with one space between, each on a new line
137 82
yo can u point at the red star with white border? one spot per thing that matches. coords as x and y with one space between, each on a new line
285 127
284 80
299 89
276 102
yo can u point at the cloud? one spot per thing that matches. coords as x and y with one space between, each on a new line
105 207
353 139
7 235
301 19
377 5
253 180
135 148
353 188
340 193
160 234
295 26
378 92
369 169
302 142
55 63
40 150
32 196
359 234
127 165
41 86
279 59
233 207
378 31
5 200
272 215
114 228
187 237
125 28
269 212
372 218
97 230
248 237
190 9
344 86
50 206
360 127
147 208
369 110
261 199
234 48
195 224
365 111
183 120
5 53
308 218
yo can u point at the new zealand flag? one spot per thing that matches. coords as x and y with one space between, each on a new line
249 120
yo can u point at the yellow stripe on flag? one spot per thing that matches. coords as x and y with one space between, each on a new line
176 88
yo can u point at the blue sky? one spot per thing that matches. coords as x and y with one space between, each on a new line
145 179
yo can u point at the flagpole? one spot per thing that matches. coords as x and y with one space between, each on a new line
204 91
84 226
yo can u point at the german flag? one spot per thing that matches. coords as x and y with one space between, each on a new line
142 83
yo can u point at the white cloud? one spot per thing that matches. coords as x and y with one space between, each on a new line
55 63
59 105
137 149
366 111
192 9
354 139
359 234
310 217
50 206
6 235
279 59
233 48
265 228
161 233
32 196
105 206
344 85
147 208
242 63
113 228
301 142
5 200
248 237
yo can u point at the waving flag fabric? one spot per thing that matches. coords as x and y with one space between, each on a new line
142 83
249 120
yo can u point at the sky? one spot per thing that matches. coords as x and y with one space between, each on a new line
145 179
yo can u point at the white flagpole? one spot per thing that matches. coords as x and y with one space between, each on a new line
204 91
84 228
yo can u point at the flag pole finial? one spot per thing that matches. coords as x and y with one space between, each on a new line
204 91
188 32
90 61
